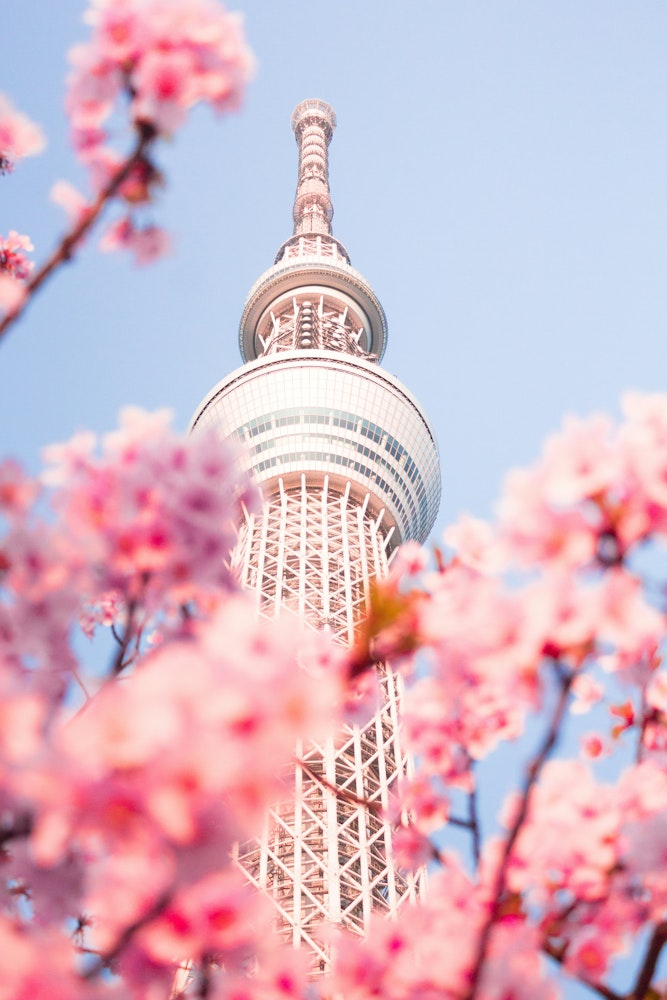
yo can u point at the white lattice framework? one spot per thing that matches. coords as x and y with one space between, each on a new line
349 468
327 856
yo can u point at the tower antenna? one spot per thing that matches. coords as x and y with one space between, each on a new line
313 123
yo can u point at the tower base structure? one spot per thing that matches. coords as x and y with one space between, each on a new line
325 854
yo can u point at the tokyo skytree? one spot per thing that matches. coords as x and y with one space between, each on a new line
348 467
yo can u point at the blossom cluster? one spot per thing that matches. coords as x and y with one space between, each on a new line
120 814
19 137
430 952
15 269
145 528
123 813
153 60
550 611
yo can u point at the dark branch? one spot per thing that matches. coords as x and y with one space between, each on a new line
530 780
343 795
107 958
599 988
473 823
655 946
21 827
119 662
71 240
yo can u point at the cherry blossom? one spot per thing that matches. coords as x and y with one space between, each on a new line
164 56
147 243
587 693
19 136
15 269
72 201
150 515
13 260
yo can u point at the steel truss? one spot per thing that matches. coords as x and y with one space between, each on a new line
325 854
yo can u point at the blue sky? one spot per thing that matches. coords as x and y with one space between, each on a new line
498 174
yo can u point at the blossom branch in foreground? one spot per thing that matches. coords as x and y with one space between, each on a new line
152 62
65 249
530 780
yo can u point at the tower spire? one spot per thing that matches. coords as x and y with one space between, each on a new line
313 123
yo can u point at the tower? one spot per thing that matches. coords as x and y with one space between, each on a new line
348 468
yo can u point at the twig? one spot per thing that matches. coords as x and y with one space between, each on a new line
69 242
655 946
21 827
529 783
643 722
473 823
204 985
79 681
119 662
106 959
465 824
339 792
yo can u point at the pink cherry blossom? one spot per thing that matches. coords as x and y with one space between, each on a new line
153 513
534 531
587 693
656 694
151 62
627 619
147 244
165 88
594 746
410 560
71 200
475 544
644 438
12 294
18 491
580 462
42 964
13 260
19 136
15 269
167 55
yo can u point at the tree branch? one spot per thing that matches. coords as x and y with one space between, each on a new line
530 780
21 827
339 792
106 959
598 988
473 824
70 241
119 663
655 946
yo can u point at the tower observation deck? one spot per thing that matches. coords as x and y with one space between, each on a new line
348 467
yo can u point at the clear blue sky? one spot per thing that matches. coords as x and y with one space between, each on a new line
498 174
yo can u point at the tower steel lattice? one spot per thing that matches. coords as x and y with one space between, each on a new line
348 468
